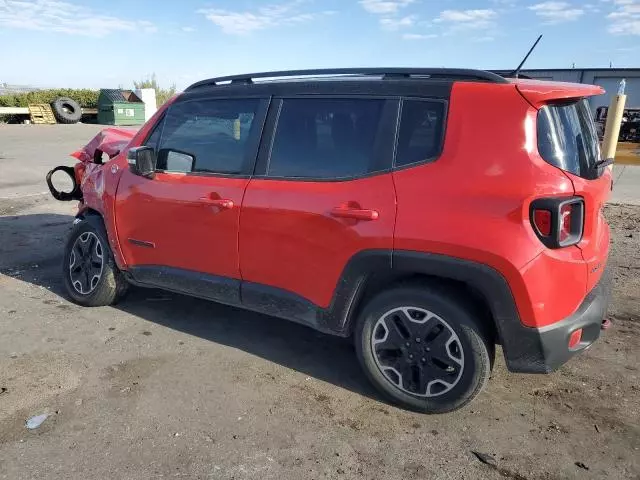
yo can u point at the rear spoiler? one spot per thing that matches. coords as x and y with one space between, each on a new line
541 92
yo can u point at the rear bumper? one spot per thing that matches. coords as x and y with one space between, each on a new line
543 350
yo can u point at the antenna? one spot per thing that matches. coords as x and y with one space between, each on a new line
517 70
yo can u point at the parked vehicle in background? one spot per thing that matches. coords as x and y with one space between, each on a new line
630 127
368 203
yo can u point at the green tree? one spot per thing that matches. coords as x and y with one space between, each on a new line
162 94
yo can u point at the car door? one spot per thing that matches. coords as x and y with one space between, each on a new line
319 196
179 229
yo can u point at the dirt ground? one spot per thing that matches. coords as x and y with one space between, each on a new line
164 386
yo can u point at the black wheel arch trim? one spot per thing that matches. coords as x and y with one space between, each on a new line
92 217
517 340
522 347
388 265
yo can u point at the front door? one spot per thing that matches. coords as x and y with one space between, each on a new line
321 196
179 229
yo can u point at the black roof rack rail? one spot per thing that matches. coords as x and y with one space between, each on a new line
444 73
509 74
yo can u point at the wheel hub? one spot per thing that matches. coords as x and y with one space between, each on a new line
417 351
86 263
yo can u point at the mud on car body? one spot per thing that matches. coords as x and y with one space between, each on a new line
373 206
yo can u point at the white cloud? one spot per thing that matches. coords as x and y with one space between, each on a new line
625 19
65 17
384 7
556 12
467 19
418 36
393 24
389 12
147 27
188 29
484 38
240 23
626 28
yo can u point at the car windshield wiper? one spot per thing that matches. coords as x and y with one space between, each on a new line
605 162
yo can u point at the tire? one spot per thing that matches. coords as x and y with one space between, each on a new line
443 359
86 247
66 110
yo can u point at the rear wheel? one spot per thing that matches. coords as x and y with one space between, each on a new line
91 277
423 349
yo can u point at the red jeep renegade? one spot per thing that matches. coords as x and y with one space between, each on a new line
429 213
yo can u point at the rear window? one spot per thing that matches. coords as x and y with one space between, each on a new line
567 138
325 138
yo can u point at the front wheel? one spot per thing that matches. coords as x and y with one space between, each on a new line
423 349
90 275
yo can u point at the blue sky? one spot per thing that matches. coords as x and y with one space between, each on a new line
97 43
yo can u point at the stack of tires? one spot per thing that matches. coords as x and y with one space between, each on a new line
66 110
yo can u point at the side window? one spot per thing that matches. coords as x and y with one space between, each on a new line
207 136
325 138
421 127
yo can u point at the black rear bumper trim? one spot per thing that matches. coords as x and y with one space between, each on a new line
544 350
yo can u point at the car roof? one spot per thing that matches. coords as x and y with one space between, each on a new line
381 80
341 74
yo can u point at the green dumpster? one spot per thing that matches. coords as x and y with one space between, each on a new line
120 107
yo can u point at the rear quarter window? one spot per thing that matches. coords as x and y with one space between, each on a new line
421 131
567 137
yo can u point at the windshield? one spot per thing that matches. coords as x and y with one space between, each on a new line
567 138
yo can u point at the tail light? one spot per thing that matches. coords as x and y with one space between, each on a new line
558 222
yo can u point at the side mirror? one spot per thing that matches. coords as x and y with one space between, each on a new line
142 161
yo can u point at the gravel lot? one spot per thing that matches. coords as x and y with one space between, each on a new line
164 386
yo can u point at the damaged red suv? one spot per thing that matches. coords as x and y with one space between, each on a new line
431 214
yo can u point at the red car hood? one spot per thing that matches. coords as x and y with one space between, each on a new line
110 141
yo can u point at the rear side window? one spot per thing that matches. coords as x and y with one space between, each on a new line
421 131
567 137
325 138
212 132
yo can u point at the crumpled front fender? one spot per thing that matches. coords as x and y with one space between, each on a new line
87 174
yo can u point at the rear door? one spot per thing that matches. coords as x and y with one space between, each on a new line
322 193
179 229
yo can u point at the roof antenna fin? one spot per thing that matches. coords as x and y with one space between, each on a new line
517 70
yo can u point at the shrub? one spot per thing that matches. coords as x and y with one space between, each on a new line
85 97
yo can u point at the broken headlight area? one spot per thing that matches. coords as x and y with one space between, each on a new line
61 188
